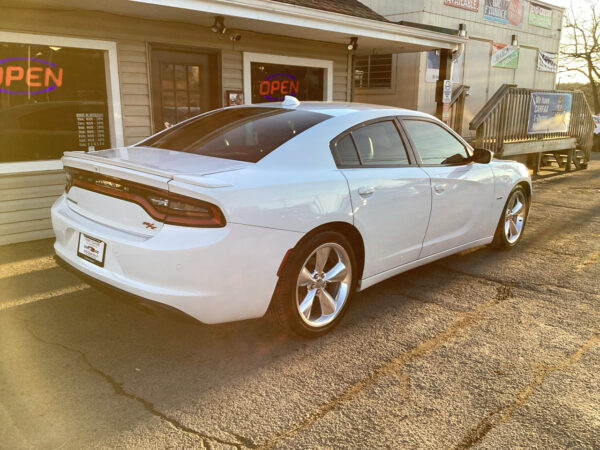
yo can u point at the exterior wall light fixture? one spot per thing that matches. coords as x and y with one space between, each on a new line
353 45
219 25
514 41
462 30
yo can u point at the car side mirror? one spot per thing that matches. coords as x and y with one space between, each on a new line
482 155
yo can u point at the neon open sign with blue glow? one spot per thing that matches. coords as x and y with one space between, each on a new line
272 82
28 76
275 87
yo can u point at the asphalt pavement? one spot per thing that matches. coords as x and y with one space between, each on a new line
483 349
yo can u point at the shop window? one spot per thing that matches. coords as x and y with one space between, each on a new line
52 99
373 71
272 82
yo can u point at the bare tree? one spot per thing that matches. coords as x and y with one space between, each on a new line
580 48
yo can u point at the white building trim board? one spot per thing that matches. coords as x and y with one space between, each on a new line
289 60
115 117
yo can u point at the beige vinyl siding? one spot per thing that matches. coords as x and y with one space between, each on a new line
404 87
526 73
232 70
476 76
24 208
25 201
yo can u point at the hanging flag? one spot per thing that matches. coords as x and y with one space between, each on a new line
547 62
505 56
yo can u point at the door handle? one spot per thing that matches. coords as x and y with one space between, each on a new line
365 191
439 188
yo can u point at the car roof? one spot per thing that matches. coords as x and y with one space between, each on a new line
337 109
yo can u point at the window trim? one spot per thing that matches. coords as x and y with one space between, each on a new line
394 119
270 58
378 90
115 116
467 147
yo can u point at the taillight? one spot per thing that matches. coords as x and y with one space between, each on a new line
161 205
186 211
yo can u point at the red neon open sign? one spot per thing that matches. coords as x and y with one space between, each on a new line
41 74
276 87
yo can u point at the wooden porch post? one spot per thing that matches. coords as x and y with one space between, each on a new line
445 74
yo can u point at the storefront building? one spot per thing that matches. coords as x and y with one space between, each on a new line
76 78
509 42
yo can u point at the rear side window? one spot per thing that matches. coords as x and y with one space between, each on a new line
380 144
434 144
243 134
375 144
347 151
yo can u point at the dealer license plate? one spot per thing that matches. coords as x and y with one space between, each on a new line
91 249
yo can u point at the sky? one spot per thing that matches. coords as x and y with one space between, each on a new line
578 5
567 3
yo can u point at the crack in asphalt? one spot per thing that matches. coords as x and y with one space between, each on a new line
502 414
527 287
392 367
556 205
427 302
148 406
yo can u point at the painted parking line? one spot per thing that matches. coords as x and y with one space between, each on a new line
591 259
43 296
27 266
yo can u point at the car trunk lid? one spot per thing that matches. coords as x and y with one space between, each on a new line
107 180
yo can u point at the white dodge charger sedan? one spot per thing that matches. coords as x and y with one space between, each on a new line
284 208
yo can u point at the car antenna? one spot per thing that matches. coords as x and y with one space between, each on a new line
291 101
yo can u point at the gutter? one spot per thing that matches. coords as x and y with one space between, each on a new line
303 17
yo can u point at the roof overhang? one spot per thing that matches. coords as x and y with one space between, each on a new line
272 17
309 23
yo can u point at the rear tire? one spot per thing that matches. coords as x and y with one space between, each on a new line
315 286
512 220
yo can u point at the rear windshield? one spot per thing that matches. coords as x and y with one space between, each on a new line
244 134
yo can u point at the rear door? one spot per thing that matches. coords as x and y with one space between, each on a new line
462 192
391 196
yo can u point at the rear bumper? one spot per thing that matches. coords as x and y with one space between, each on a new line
155 307
212 274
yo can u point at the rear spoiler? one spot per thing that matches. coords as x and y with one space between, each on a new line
83 160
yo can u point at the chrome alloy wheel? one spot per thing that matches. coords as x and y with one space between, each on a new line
514 216
323 284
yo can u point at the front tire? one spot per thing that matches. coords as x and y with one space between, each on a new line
512 221
315 286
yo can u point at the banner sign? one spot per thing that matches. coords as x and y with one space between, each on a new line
549 113
433 67
505 56
508 12
470 5
547 62
540 16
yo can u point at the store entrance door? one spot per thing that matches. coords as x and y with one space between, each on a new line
184 84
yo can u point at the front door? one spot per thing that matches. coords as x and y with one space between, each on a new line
462 192
184 84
